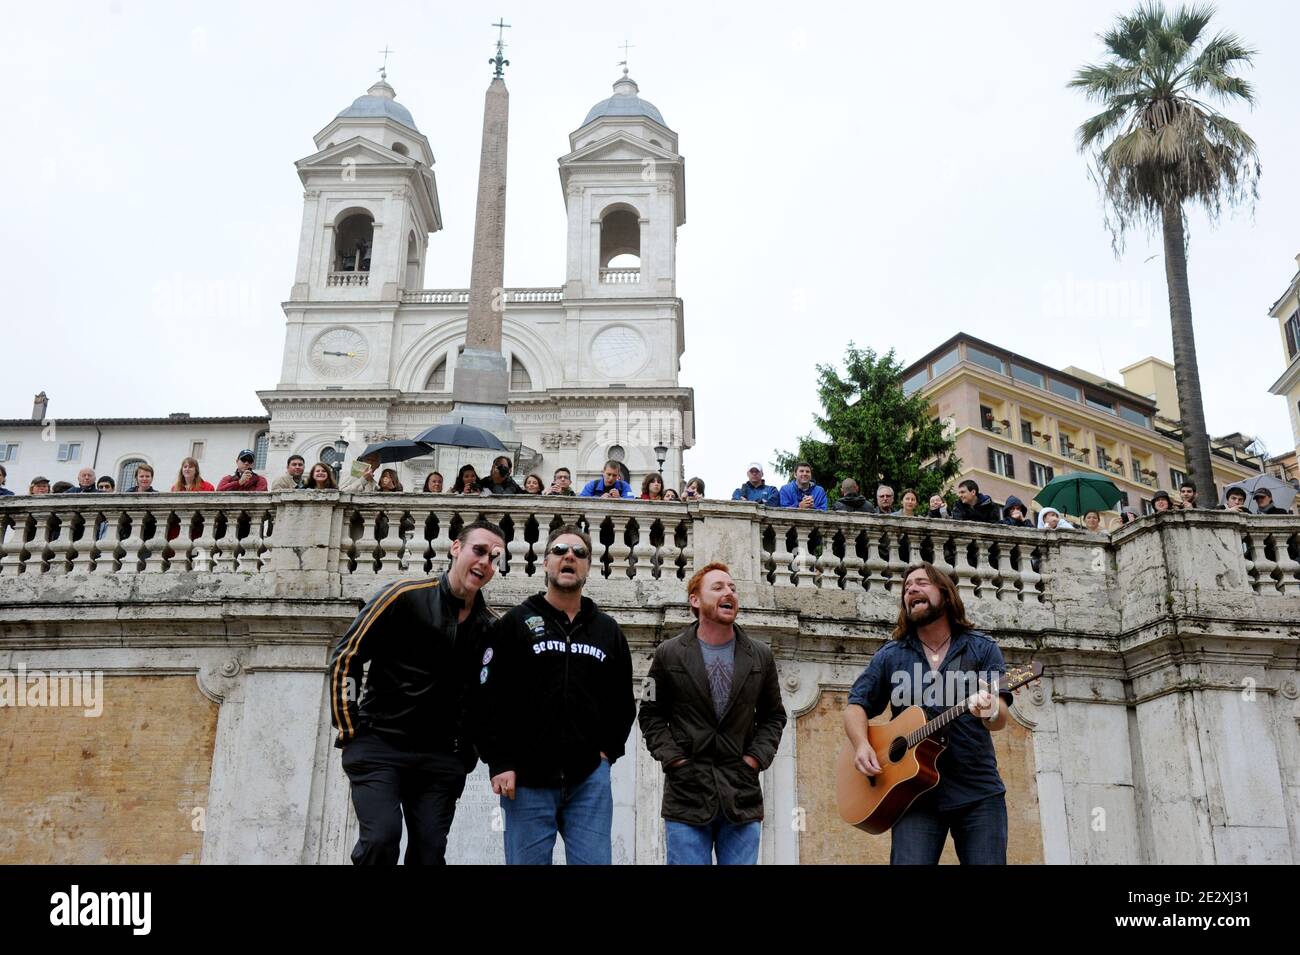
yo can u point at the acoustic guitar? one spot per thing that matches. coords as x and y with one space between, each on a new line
907 748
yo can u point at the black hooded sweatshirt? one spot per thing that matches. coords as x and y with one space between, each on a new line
553 694
854 502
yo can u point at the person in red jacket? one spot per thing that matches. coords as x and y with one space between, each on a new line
189 478
244 478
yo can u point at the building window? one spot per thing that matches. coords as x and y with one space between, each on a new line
992 362
8 452
1101 405
944 362
126 473
1135 417
1040 474
260 445
353 240
1002 463
1026 432
1176 478
520 380
197 449
71 451
916 381
1027 375
986 418
1147 506
437 378
1293 335
1064 390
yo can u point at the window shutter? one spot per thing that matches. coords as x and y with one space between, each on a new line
1011 466
992 461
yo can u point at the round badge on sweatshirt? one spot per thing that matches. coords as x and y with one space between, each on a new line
487 656
482 675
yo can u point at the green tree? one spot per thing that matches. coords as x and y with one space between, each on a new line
876 432
1168 148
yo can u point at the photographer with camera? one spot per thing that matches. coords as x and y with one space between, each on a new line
499 480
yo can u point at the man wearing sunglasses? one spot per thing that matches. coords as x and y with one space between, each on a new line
557 707
406 747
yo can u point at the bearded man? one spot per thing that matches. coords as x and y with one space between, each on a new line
555 708
936 659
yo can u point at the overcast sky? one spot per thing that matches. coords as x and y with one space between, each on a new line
888 174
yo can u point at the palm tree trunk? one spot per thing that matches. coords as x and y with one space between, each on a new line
1196 442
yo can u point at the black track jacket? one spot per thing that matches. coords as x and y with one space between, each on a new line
422 665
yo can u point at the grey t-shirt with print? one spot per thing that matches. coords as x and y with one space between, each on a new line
719 666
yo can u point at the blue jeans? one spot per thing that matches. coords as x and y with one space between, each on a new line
736 843
583 814
979 833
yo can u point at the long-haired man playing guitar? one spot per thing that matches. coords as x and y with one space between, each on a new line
935 659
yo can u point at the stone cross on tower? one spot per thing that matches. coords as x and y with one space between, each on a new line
482 380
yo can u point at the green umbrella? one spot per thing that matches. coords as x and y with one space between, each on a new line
1079 493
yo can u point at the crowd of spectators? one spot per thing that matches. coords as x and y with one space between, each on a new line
802 492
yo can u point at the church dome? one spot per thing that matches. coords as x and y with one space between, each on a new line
380 100
625 102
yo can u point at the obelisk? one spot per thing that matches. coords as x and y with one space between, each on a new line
481 381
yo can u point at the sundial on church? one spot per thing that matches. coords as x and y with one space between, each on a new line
619 351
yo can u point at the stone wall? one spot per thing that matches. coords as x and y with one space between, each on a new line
1164 730
129 784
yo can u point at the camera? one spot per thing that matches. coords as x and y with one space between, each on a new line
503 469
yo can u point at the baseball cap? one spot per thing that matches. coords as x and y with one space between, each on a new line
39 480
246 453
754 466
1263 492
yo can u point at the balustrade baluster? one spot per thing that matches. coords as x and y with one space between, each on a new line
367 544
392 545
133 544
62 547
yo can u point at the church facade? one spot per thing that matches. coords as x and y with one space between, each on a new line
370 354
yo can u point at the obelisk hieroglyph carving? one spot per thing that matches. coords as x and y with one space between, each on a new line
482 378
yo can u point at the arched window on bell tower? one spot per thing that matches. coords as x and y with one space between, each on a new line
620 246
412 262
352 243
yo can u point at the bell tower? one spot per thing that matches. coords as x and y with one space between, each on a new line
625 191
370 202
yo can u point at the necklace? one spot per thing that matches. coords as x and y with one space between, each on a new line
936 654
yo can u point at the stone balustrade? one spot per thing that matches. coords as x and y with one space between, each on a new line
345 279
1169 706
460 296
620 276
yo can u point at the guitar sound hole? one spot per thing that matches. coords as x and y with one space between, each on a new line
897 749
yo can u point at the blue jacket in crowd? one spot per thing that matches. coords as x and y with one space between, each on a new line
790 496
763 494
597 488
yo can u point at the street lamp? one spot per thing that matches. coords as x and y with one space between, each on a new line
661 453
340 452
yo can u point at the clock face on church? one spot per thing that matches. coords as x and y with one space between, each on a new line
338 353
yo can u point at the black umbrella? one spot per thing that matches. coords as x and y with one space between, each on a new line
461 435
390 452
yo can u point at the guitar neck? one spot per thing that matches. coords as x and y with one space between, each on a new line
950 714
936 724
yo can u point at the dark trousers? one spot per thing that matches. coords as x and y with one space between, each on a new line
389 783
979 833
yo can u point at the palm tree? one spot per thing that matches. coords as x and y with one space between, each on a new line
1170 148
